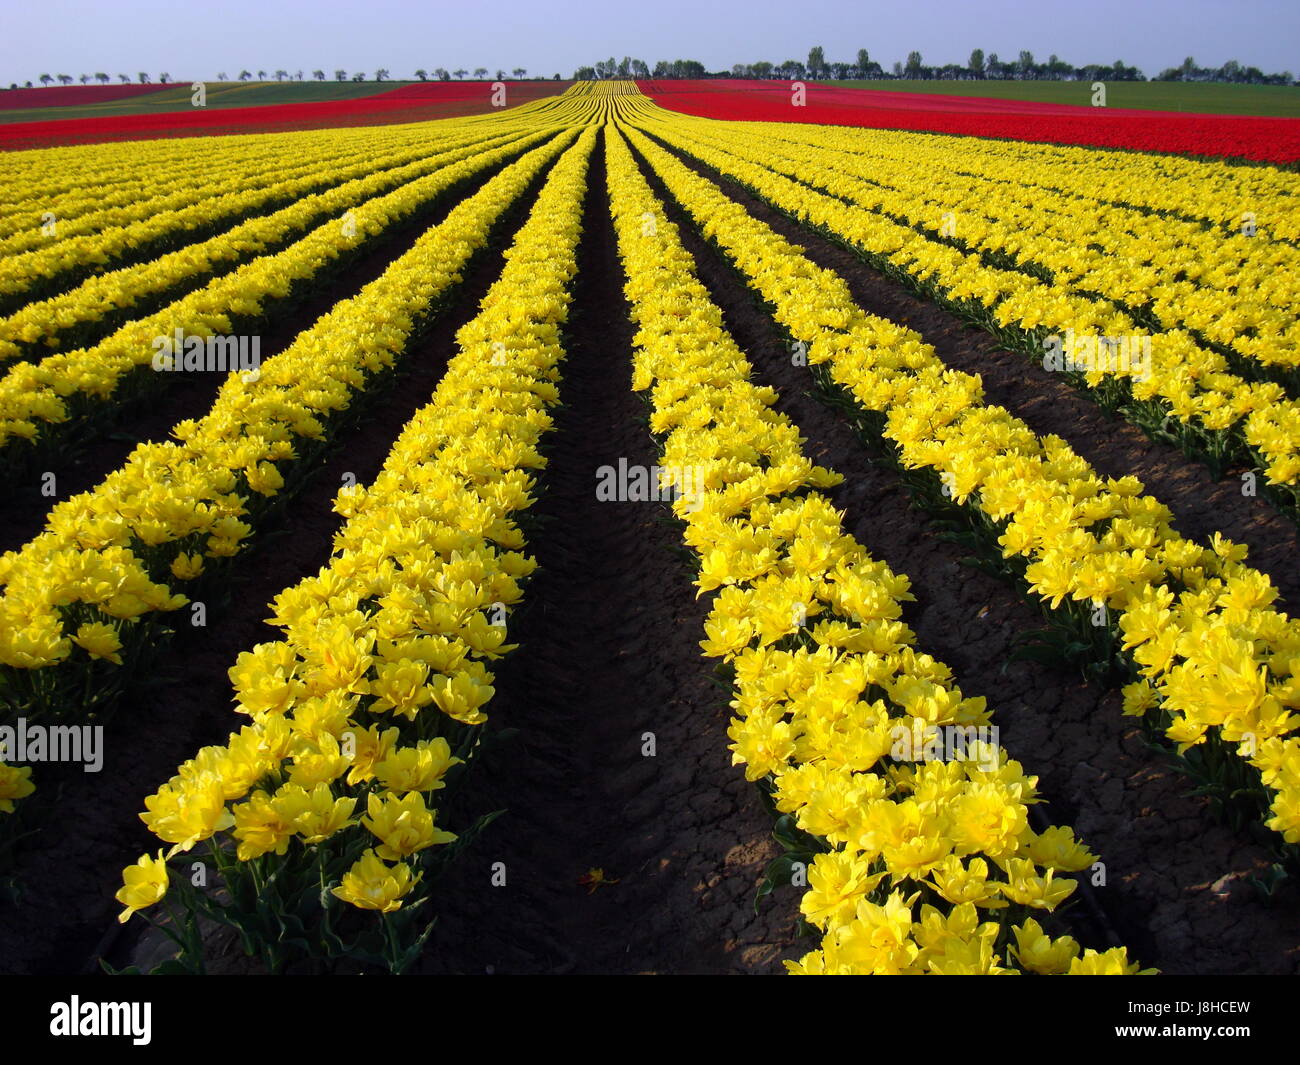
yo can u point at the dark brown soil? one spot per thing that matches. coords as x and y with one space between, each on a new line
610 652
72 869
190 395
1049 405
1175 890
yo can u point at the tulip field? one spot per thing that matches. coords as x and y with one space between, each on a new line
652 528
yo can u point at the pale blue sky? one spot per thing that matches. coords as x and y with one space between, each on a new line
198 38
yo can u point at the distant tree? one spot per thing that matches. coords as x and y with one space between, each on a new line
85 78
1058 69
124 79
519 72
762 69
864 61
223 76
300 75
422 74
555 77
319 75
898 69
103 79
977 63
340 75
45 79
1186 72
480 72
261 75
442 74
585 74
359 76
1025 65
913 68
280 75
460 73
163 79
501 74
816 62
65 79
639 69
244 75
994 66
381 74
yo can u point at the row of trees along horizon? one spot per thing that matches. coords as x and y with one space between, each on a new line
979 68
144 78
